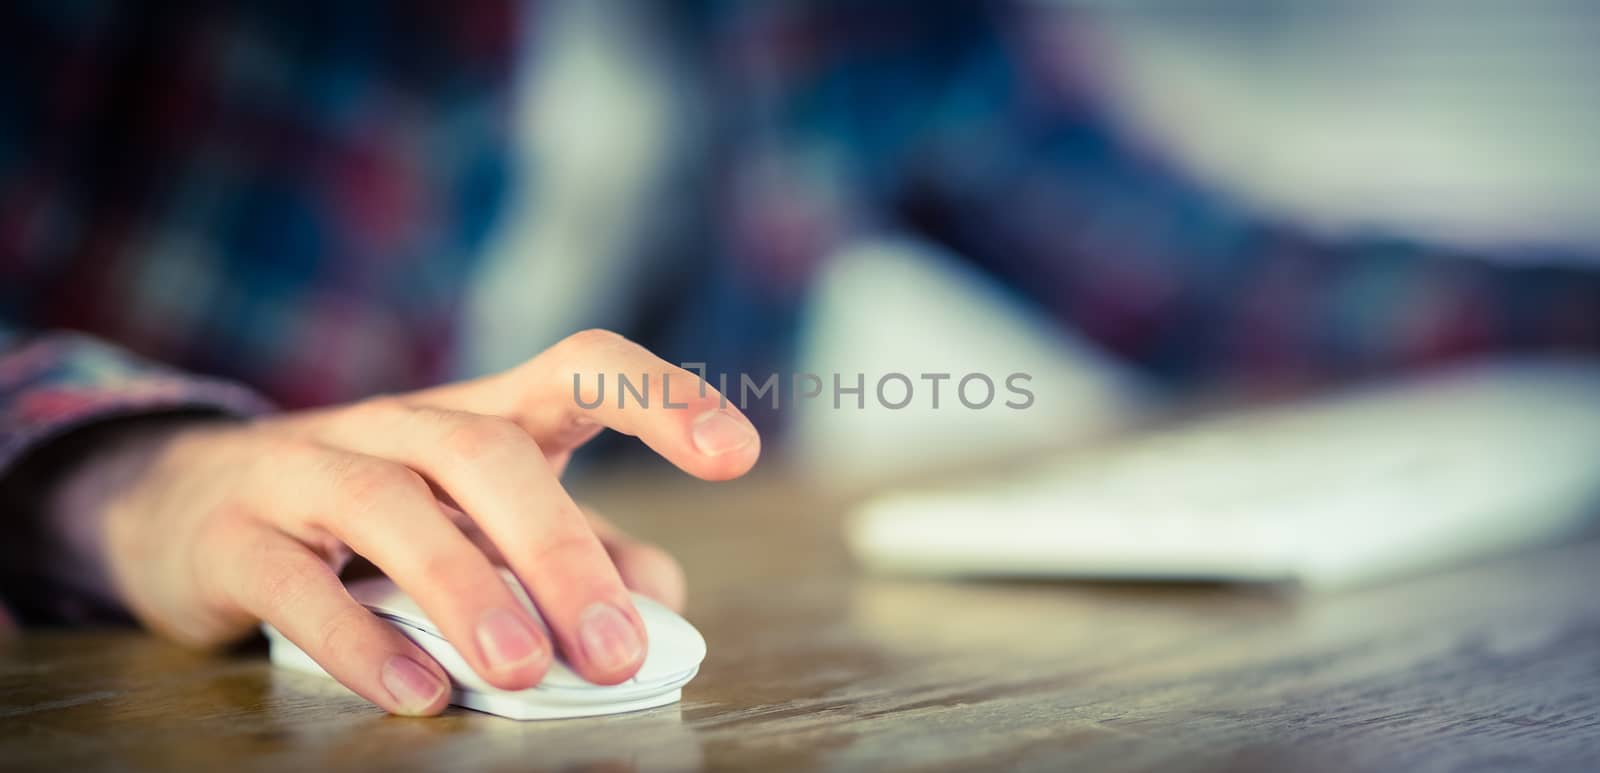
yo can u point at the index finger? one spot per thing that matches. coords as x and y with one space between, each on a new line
599 379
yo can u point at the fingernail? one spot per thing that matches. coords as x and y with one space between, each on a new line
506 640
717 433
414 688
609 640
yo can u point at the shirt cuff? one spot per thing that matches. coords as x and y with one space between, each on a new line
55 383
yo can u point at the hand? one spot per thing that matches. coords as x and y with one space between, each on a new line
223 524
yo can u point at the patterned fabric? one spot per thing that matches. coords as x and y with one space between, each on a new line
290 195
985 131
284 194
57 382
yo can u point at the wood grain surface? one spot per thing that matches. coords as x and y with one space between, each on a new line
812 664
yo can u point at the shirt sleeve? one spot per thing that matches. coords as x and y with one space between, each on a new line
55 382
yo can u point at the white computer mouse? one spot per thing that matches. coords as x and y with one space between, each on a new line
673 655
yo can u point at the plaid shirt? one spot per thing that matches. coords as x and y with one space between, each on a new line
281 203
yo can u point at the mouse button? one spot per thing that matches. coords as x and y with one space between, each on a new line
674 645
383 597
560 675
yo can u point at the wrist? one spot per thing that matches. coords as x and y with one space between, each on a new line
71 487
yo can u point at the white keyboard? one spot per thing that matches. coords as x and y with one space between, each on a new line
1329 492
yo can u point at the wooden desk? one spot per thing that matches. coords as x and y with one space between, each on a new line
1491 667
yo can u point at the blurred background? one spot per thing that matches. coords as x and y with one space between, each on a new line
1134 202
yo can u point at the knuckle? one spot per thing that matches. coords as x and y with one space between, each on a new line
572 428
592 338
280 451
280 584
584 346
225 515
224 528
473 438
439 569
364 484
342 631
565 549
571 363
